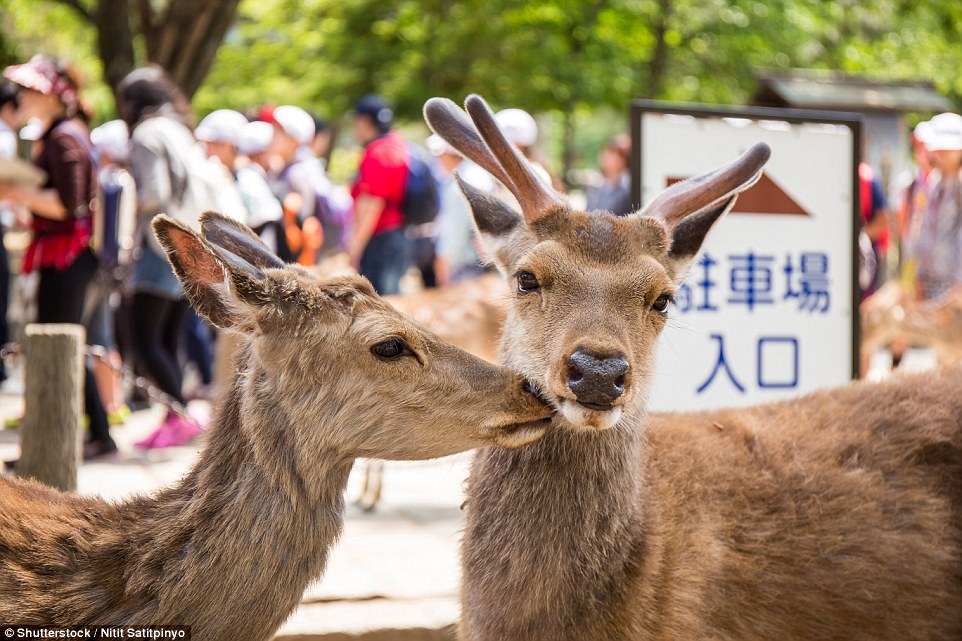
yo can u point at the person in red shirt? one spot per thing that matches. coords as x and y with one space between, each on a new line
378 247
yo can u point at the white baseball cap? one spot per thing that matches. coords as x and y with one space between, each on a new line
945 132
295 122
438 146
255 137
222 125
518 125
923 131
112 140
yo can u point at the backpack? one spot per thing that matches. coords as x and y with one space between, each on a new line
115 220
422 198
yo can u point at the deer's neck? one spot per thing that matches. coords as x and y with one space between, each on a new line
233 546
555 528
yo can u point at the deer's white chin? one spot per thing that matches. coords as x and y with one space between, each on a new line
585 418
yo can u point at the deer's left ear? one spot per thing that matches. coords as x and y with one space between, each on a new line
220 285
689 234
239 239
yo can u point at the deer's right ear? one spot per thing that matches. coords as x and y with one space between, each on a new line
209 274
495 220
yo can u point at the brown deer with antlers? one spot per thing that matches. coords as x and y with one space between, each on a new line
328 372
834 516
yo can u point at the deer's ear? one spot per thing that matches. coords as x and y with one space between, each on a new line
215 280
239 239
689 233
495 220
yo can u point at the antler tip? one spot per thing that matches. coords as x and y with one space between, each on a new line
759 153
474 101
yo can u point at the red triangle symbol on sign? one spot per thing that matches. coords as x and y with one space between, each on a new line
764 197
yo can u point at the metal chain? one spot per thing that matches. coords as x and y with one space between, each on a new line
101 354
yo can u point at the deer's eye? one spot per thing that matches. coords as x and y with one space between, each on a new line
662 303
527 282
391 349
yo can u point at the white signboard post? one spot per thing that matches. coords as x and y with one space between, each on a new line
769 307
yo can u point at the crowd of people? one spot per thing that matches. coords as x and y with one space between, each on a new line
99 265
929 219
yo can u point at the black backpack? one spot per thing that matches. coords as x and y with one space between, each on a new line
422 198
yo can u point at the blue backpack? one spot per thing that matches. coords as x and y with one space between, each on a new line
422 198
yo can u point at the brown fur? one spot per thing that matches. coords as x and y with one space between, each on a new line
469 314
230 548
837 516
891 315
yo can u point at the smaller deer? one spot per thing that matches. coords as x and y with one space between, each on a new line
890 314
469 315
328 372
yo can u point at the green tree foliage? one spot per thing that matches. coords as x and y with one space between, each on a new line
571 58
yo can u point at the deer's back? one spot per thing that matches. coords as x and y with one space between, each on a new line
62 556
834 516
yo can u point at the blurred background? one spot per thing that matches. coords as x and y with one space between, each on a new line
575 64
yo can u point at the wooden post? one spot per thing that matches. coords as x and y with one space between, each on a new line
50 445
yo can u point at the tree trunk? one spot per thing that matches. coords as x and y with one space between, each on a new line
659 59
182 37
115 41
567 144
185 37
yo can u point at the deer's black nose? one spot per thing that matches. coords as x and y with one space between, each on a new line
596 381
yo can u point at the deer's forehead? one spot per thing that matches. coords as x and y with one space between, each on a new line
600 237
375 320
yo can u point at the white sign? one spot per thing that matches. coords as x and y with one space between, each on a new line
767 310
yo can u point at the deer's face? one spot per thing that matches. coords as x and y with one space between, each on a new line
591 293
591 290
350 373
370 382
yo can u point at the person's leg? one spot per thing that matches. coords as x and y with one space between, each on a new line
425 255
150 319
4 301
172 333
397 254
200 344
384 261
371 263
60 299
98 317
177 429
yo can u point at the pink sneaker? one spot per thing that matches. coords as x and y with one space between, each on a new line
175 430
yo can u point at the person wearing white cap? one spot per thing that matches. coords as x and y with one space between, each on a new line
940 242
457 258
913 187
264 212
113 240
521 130
218 131
293 133
321 208
116 212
